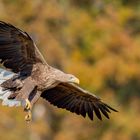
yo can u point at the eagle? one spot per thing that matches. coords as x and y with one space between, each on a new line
25 76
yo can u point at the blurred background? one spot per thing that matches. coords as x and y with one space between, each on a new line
96 40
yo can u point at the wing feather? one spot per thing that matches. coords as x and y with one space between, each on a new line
77 108
97 111
90 111
18 52
76 100
82 109
104 112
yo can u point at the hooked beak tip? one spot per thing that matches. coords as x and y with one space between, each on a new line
77 81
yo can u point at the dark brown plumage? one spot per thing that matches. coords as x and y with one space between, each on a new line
34 78
17 50
73 98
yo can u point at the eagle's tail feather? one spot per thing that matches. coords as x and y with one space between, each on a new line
4 94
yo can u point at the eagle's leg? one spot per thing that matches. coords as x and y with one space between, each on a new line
26 90
31 97
23 95
34 96
34 99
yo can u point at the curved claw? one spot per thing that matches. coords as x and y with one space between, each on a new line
27 105
28 117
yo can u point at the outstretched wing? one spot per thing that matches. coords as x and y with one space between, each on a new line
77 100
17 50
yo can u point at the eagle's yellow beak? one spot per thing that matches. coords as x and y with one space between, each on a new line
72 79
76 81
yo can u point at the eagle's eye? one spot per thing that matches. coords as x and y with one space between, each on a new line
72 77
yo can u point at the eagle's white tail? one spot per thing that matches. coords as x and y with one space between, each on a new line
4 94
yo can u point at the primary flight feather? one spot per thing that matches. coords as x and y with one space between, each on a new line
31 78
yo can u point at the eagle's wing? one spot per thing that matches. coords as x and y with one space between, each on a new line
73 98
18 52
4 94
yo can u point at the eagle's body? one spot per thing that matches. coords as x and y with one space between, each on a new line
33 78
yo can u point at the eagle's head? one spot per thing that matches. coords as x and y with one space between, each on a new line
71 79
62 77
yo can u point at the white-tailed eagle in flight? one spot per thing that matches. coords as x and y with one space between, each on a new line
26 76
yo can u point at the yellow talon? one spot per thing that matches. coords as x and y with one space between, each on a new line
27 108
27 105
28 117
